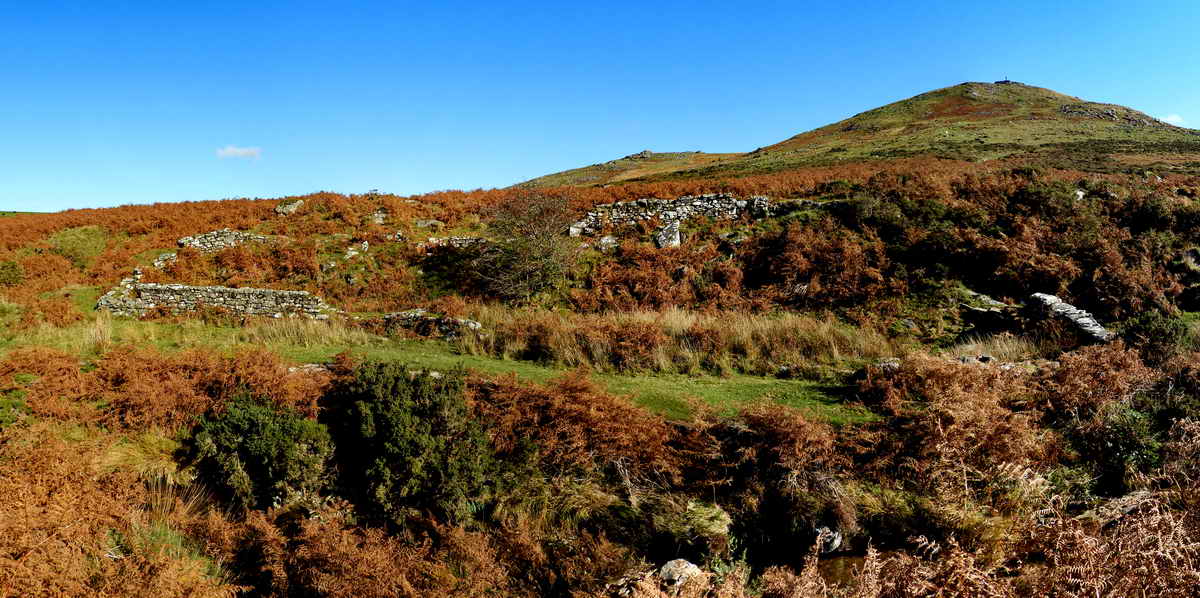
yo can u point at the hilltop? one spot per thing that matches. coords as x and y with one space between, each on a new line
971 121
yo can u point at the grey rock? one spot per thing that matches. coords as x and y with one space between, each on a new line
288 208
668 235
678 572
1080 319
607 243
135 299
163 260
220 239
718 206
434 224
829 538
379 216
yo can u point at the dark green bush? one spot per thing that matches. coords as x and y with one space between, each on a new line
260 456
11 273
1117 444
406 441
1157 336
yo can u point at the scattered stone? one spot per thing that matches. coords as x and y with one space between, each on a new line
434 224
668 235
288 208
380 216
354 250
426 323
165 259
310 368
1082 320
1080 194
452 242
678 572
396 236
607 243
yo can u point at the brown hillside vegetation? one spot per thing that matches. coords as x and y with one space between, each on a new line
779 400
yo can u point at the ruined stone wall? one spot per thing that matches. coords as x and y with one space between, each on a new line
134 298
221 239
718 206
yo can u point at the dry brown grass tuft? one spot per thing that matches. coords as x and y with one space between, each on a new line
676 340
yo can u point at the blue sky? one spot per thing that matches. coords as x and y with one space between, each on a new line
106 103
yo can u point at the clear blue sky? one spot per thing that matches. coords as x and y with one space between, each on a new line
106 102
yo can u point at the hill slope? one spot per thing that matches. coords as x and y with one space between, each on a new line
971 121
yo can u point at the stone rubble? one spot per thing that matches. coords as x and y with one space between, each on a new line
379 216
452 242
427 323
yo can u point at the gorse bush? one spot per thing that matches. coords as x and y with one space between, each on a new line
406 441
1158 336
260 456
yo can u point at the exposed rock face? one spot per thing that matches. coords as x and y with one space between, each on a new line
288 208
379 216
718 206
1080 319
221 239
134 298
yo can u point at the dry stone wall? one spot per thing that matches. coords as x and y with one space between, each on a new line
221 239
718 206
211 241
134 298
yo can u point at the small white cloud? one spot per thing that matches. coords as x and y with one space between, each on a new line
233 151
1174 119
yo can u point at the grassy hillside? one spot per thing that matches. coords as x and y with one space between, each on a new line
641 165
970 121
822 400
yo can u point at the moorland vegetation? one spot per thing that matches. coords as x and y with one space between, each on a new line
804 404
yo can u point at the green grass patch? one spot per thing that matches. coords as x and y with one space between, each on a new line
671 395
80 245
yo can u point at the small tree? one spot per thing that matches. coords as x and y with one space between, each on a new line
531 254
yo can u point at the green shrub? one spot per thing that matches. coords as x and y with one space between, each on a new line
406 441
11 273
1157 336
260 456
12 408
1117 443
